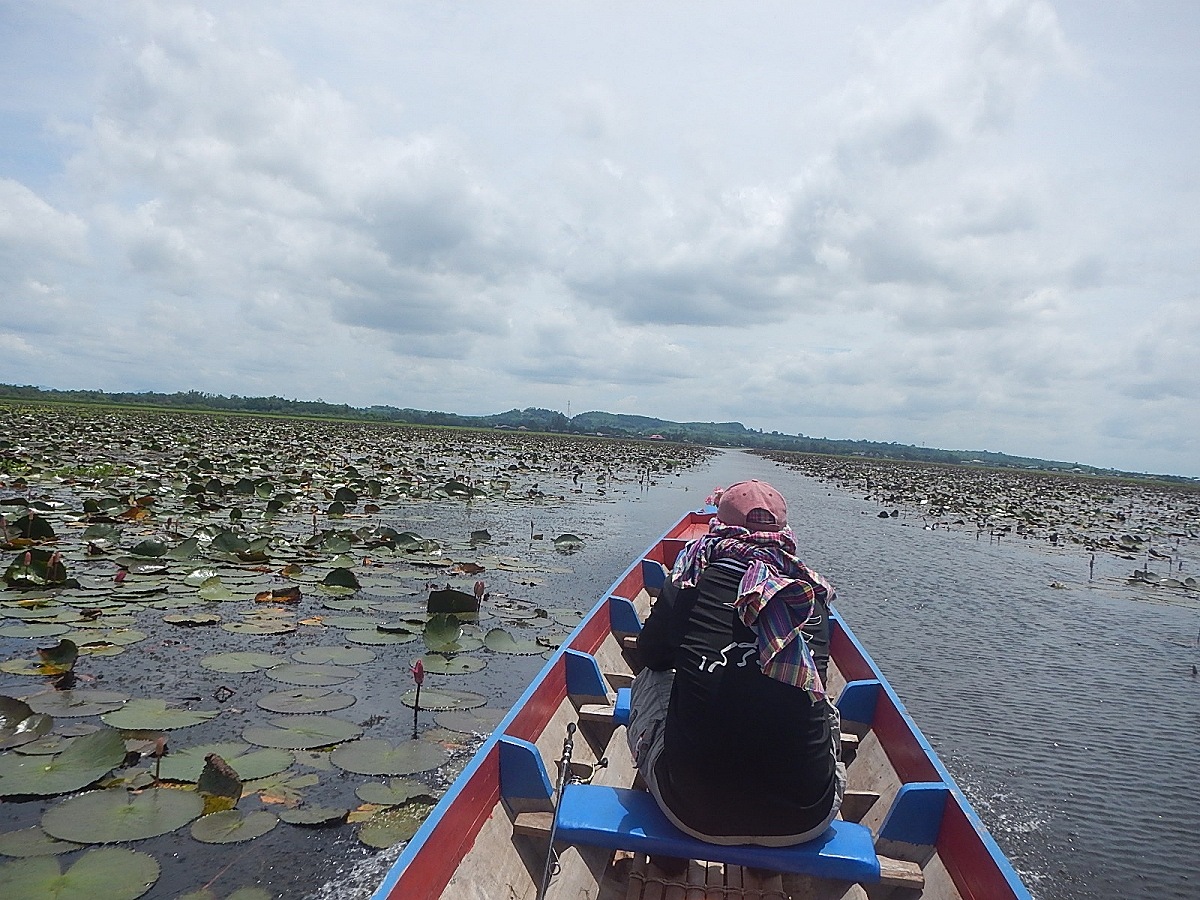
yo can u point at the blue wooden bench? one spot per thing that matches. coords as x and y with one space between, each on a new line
624 819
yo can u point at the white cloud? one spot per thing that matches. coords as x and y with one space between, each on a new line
894 221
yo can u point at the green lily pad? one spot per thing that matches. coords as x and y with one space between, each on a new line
374 756
85 759
437 664
342 656
350 623
567 543
260 626
301 732
392 792
306 700
471 721
249 762
240 662
197 577
395 824
192 620
33 630
311 675
19 724
106 873
231 826
33 842
314 816
153 715
214 590
500 641
105 817
440 701
375 638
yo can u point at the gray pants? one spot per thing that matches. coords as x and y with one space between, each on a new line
650 696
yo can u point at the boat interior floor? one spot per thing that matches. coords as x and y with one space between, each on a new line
642 879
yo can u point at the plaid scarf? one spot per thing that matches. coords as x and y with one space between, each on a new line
775 598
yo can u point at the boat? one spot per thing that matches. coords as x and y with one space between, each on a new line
548 807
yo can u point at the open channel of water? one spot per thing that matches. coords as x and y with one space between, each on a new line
1069 715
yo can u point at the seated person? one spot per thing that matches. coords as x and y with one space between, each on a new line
729 723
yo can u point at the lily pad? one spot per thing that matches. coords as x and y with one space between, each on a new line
306 700
471 721
314 816
343 656
567 543
438 664
240 661
392 792
33 842
153 715
192 620
311 675
374 756
392 825
85 759
249 762
301 732
260 626
106 873
440 701
105 817
231 826
500 641
19 724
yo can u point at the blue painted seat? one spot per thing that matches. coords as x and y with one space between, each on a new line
624 819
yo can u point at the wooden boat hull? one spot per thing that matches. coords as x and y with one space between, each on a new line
488 836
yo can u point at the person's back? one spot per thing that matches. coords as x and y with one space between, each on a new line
739 756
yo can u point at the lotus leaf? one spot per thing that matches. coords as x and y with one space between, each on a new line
345 656
376 638
339 581
374 756
36 568
311 675
19 724
438 664
214 590
149 548
192 620
282 788
393 792
306 700
349 623
471 721
500 641
33 842
240 661
249 762
33 630
197 577
229 542
314 816
153 715
230 826
440 701
188 549
260 626
301 732
105 817
392 825
106 873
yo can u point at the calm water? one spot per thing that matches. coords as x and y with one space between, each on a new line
1068 715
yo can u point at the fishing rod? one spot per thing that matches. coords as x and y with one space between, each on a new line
564 766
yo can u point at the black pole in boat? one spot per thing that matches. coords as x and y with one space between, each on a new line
564 766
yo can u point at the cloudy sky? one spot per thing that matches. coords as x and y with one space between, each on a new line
972 225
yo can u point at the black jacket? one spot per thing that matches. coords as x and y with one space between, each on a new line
744 754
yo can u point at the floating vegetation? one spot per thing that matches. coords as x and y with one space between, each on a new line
168 553
107 873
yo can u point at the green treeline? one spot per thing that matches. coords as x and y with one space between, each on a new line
713 434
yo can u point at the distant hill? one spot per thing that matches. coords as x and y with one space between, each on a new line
713 434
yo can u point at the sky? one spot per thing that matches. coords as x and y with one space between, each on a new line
966 225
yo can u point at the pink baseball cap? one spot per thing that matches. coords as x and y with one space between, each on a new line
753 505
